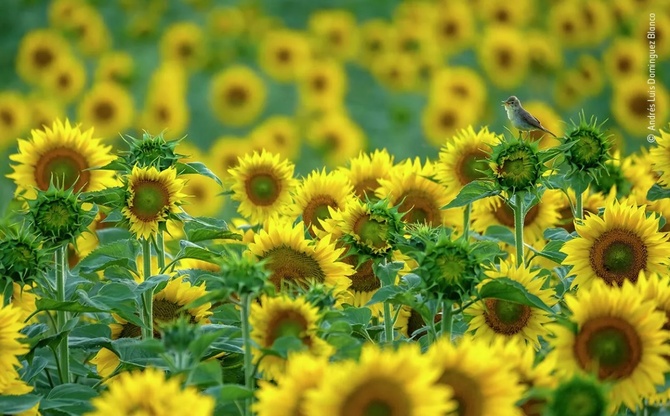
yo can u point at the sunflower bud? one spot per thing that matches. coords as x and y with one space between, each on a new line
21 257
516 165
589 146
579 396
151 151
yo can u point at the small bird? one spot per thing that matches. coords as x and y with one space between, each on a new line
521 119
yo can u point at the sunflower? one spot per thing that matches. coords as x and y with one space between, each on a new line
279 317
108 107
202 196
624 58
365 170
454 27
237 95
152 197
590 74
283 54
463 157
460 84
491 318
184 44
322 85
503 55
566 24
400 382
66 79
65 153
262 183
542 216
39 52
88 27
395 71
337 137
11 340
619 245
500 12
166 109
303 372
418 198
43 111
641 28
618 336
316 194
279 135
117 66
597 20
482 383
150 392
443 119
567 89
376 39
544 52
225 21
60 12
336 33
226 153
631 106
660 156
14 117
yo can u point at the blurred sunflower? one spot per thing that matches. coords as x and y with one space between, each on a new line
597 19
443 119
624 58
165 109
631 106
566 23
567 89
322 85
491 319
316 194
88 28
641 26
414 40
481 382
660 157
281 316
262 183
65 153
377 39
14 117
152 196
11 339
202 197
399 382
150 392
184 43
501 12
397 72
337 137
108 107
591 75
463 159
283 54
279 135
225 21
336 33
294 260
618 335
544 52
460 84
454 26
225 154
23 299
503 55
550 119
39 52
66 79
115 66
365 170
415 13
43 111
60 12
616 247
237 95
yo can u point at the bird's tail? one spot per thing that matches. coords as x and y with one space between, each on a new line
547 131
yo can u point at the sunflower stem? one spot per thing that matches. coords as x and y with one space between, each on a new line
246 339
388 323
579 206
62 316
447 319
518 228
466 222
147 296
160 250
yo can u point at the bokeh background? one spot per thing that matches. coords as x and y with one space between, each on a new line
320 81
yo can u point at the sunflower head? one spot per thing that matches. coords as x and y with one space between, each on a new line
589 145
151 151
21 257
371 228
58 215
244 275
516 165
579 396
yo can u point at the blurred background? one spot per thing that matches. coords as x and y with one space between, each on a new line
320 81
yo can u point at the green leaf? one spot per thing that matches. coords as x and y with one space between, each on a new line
206 374
283 345
387 272
657 192
122 253
45 304
203 229
411 280
552 251
472 192
153 283
190 250
501 234
557 234
357 316
11 405
232 392
71 398
507 289
211 333
114 196
385 293
196 168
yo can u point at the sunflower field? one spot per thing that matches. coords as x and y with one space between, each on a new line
325 208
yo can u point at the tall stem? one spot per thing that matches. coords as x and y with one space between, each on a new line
147 296
62 316
388 322
246 339
447 319
579 205
160 251
518 229
466 222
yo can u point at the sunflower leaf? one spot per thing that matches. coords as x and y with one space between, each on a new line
190 250
11 405
110 196
500 233
69 398
202 228
120 253
233 392
386 272
512 291
472 192
196 168
386 293
657 192
45 304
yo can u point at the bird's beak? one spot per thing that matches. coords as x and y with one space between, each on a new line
504 103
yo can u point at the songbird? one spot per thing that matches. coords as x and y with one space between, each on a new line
521 119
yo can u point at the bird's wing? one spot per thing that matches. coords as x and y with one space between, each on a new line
528 117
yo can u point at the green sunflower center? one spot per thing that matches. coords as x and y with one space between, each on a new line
589 149
609 345
372 233
287 323
150 200
66 166
452 266
263 189
505 317
467 393
377 397
317 209
291 266
517 167
578 398
618 255
472 167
